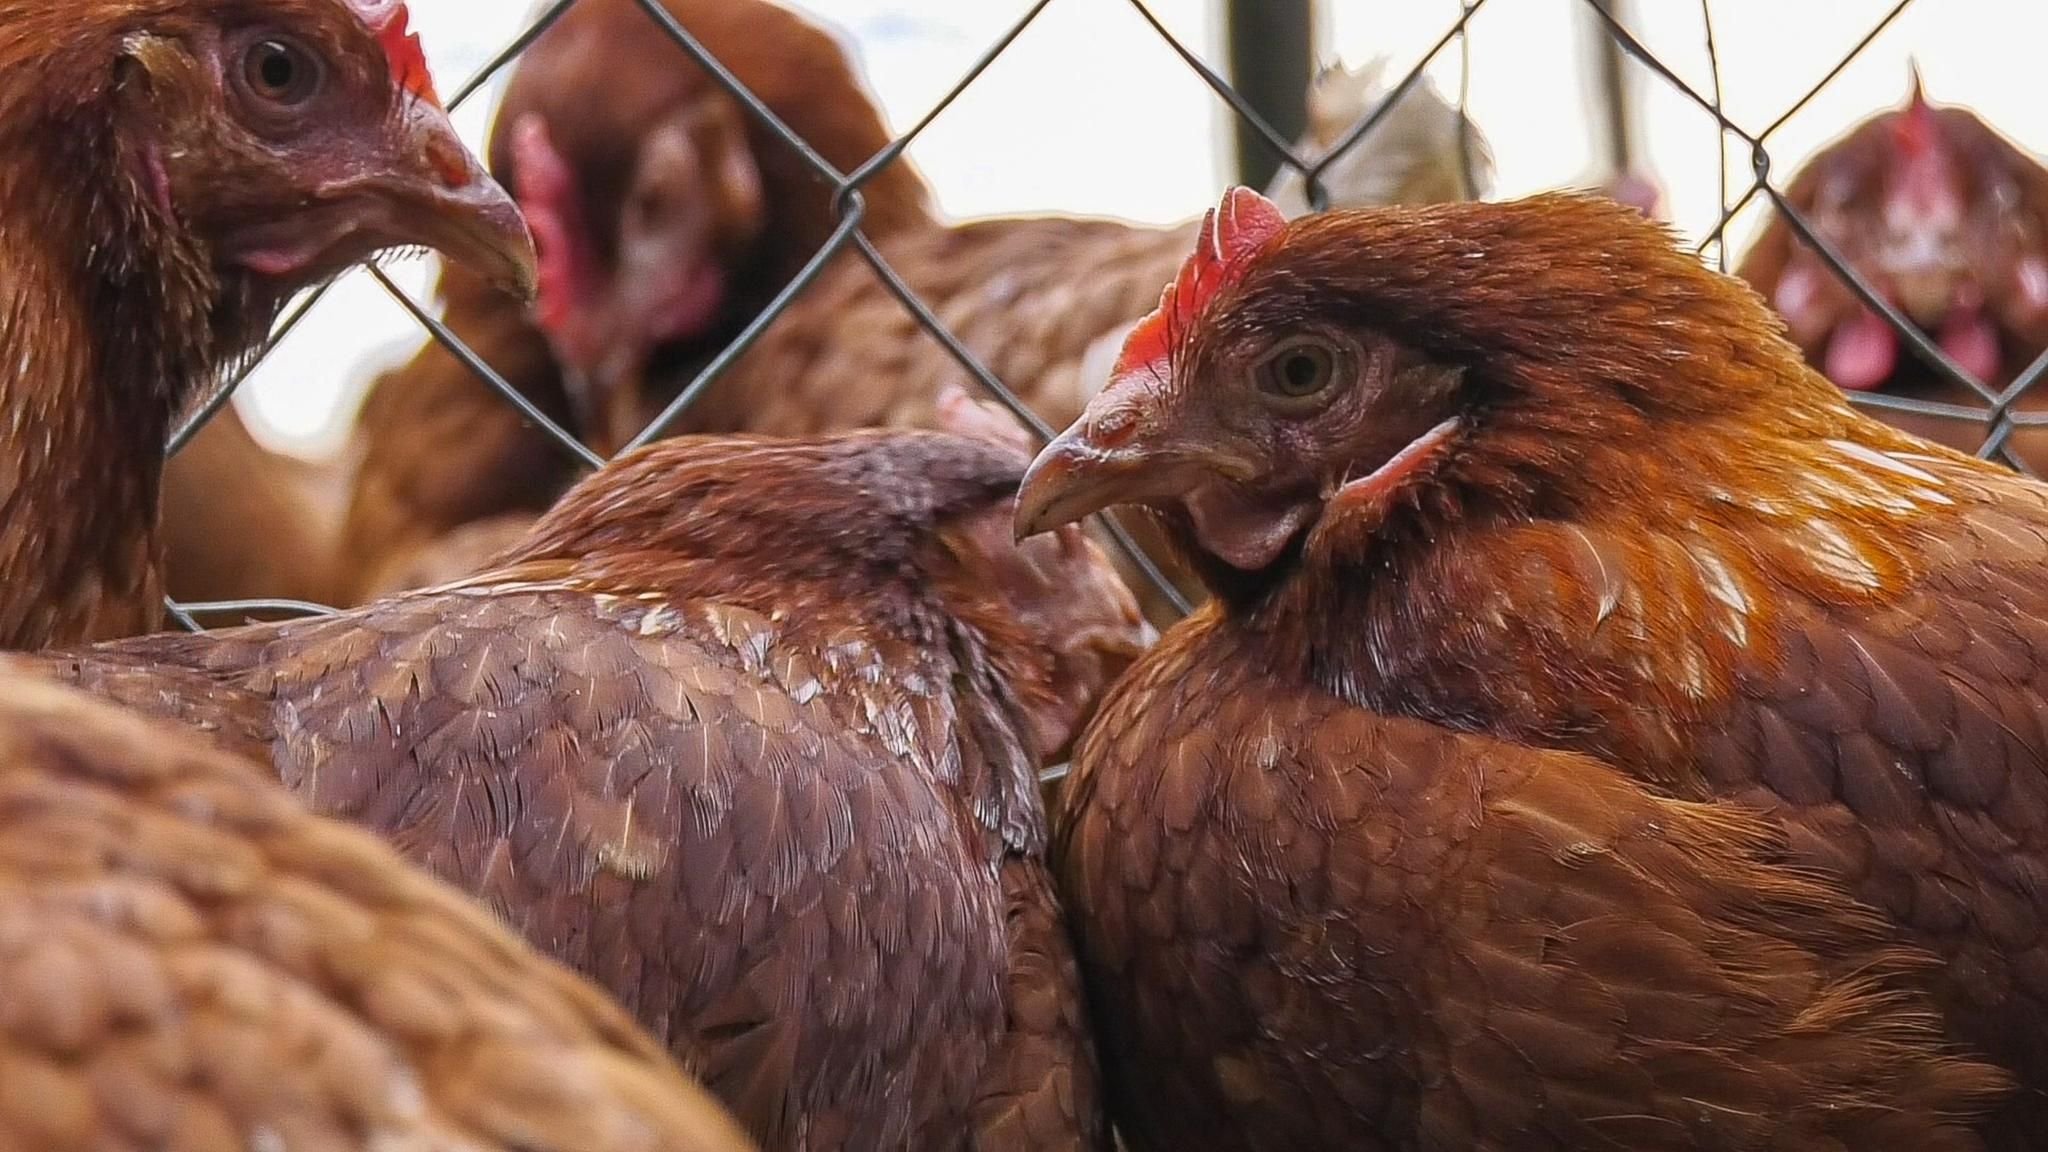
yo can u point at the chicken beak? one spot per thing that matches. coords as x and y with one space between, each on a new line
431 191
1075 477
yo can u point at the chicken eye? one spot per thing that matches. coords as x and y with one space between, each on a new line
279 72
1300 369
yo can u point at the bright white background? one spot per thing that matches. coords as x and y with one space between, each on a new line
1089 112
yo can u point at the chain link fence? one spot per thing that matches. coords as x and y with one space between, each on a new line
1994 412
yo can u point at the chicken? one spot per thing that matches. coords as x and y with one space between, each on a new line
190 961
232 158
667 218
1948 222
1310 925
1573 491
773 787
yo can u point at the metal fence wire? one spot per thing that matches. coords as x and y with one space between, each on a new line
1996 416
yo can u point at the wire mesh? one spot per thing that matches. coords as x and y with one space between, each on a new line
1996 416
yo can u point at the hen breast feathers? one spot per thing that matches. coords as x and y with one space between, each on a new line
1309 926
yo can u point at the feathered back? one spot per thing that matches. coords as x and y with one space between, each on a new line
864 498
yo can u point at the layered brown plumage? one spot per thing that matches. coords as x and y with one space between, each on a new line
230 158
1947 220
613 94
189 960
747 731
1529 473
1309 925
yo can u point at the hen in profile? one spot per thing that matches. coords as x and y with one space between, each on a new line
174 172
1527 472
773 785
190 961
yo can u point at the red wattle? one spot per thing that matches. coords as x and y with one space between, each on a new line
1862 353
1971 340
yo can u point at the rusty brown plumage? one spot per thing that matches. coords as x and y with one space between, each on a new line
1307 925
1529 471
242 522
190 960
212 199
748 732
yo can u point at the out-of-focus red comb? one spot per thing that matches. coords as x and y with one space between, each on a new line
387 20
1916 130
1232 233
547 193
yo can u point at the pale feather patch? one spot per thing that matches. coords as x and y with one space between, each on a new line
1838 555
658 621
1883 460
1721 583
1610 585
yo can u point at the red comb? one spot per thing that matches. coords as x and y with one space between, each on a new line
1232 233
387 19
1916 130
546 190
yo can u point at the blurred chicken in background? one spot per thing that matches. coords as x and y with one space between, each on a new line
1947 220
666 217
1029 296
1403 159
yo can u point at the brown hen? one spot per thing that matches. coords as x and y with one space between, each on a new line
189 961
1536 474
1948 222
233 157
747 731
1307 925
635 163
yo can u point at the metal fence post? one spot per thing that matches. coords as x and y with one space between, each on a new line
1271 61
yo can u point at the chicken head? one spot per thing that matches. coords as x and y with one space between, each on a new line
1939 215
288 143
688 208
1282 412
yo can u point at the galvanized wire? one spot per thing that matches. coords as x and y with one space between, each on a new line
1997 415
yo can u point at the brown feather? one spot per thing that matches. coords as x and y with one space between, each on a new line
1305 925
774 788
191 960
